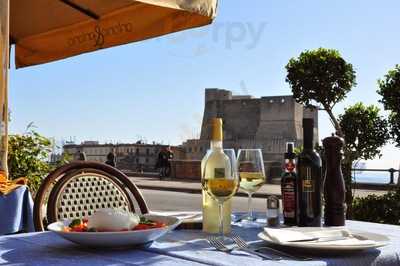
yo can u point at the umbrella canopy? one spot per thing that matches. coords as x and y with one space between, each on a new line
48 30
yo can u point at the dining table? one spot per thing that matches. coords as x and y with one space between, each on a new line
185 247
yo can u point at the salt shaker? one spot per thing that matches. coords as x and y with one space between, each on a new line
273 211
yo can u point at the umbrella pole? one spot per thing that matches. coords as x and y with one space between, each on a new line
4 60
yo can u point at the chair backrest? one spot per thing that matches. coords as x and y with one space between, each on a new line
79 188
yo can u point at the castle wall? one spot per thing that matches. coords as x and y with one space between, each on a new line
277 117
266 123
241 118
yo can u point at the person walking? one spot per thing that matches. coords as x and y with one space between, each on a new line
162 162
170 157
81 156
111 159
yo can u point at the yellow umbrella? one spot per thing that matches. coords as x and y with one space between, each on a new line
49 30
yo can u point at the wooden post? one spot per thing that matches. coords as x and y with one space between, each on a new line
4 59
391 171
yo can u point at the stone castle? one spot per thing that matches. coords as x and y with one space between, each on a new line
266 123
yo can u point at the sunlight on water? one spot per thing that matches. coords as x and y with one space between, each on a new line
381 178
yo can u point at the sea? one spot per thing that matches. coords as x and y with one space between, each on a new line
374 177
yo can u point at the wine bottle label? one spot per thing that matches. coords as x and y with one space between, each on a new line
289 200
219 173
308 184
290 166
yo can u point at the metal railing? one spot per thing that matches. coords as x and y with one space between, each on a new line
391 172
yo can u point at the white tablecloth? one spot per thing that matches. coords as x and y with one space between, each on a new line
185 247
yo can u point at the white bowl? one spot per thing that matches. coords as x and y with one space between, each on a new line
117 239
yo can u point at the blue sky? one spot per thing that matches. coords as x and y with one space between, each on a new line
155 89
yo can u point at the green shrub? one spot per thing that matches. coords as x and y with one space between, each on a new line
378 209
28 156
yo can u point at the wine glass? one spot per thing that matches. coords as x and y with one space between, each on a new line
232 157
220 181
252 175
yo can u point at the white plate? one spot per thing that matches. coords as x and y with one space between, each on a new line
117 239
379 241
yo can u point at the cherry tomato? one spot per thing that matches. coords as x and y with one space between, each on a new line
141 227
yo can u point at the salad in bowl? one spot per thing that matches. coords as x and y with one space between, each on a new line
115 228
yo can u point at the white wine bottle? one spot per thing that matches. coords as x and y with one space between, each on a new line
212 164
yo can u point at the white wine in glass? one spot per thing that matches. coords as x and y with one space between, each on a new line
220 189
251 181
252 175
218 179
219 183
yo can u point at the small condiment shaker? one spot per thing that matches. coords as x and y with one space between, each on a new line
273 211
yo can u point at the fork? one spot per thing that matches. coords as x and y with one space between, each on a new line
241 243
217 244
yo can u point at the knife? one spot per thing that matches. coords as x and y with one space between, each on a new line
321 239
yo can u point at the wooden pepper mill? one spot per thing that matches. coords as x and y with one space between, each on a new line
334 186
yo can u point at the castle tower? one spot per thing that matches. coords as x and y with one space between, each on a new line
266 123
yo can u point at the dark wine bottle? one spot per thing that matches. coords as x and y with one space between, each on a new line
288 187
309 180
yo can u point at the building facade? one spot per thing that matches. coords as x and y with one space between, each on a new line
133 157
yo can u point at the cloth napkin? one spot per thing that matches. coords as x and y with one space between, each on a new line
6 186
285 235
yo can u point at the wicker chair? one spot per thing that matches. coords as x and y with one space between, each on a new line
77 189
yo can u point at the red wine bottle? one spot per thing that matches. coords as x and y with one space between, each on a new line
309 180
288 187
